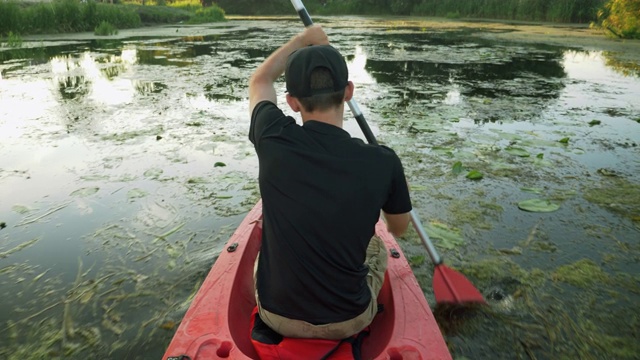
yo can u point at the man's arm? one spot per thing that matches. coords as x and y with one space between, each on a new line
261 82
397 223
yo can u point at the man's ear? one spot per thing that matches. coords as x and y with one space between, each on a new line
348 91
293 102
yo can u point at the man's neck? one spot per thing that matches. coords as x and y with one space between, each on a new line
333 117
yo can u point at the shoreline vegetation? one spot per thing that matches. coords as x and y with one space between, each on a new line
616 18
70 16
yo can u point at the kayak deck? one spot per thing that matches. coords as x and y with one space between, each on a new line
217 324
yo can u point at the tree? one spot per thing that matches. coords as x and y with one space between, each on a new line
622 18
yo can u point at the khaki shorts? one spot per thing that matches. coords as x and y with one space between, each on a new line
376 260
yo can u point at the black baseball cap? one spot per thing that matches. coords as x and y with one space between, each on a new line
303 61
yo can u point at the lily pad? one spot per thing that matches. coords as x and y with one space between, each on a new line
457 168
474 175
564 140
533 190
517 151
136 193
538 205
153 173
84 192
20 209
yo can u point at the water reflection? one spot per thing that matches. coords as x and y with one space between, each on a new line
518 76
101 78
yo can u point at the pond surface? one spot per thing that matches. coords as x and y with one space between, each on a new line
125 166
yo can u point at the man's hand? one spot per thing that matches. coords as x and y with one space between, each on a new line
314 35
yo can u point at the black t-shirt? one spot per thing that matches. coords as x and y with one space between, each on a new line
322 192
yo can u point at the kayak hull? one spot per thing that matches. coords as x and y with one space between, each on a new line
217 324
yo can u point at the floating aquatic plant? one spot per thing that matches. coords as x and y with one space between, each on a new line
538 205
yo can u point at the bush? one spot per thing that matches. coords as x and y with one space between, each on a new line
105 28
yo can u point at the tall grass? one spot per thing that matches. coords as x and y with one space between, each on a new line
63 16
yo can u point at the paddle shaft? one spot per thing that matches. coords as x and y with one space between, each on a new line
368 134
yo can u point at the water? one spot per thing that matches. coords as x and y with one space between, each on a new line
125 166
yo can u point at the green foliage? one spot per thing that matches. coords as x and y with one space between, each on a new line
621 18
105 28
208 14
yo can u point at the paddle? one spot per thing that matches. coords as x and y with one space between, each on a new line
449 286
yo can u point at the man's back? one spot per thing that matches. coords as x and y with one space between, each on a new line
322 194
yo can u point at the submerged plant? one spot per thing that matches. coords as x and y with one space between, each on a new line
582 273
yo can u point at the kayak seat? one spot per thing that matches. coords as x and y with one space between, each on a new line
272 346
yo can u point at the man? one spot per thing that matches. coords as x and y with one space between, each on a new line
320 267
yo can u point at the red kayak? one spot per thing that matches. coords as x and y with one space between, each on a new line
218 322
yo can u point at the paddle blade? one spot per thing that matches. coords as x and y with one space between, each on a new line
449 286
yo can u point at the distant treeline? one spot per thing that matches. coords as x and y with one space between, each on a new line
621 17
577 11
